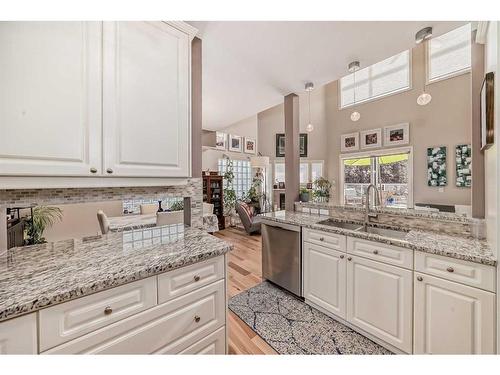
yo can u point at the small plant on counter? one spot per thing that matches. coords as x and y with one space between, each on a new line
304 194
321 189
43 217
177 206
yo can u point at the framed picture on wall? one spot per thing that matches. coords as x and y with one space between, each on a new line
487 108
220 141
463 164
397 135
250 146
349 142
436 166
280 145
371 138
235 143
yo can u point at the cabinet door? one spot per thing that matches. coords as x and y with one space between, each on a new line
18 335
379 300
146 100
325 278
50 90
452 318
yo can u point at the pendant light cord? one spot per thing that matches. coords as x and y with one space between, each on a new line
354 90
309 106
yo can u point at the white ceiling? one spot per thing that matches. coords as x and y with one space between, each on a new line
249 66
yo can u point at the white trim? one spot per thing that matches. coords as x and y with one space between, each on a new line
21 182
381 152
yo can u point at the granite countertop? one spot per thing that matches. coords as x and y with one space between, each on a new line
38 276
132 221
464 248
411 212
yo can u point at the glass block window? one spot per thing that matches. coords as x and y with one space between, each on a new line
133 206
242 175
384 78
449 54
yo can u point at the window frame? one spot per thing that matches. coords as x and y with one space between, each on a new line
381 152
454 74
236 183
309 172
382 96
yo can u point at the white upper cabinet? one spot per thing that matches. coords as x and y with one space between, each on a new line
50 98
146 100
95 99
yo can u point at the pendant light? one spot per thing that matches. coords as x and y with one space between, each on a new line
309 87
353 67
421 37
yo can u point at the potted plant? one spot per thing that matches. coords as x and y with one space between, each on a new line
43 217
229 193
304 194
321 189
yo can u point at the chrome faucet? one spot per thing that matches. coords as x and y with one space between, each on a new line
369 214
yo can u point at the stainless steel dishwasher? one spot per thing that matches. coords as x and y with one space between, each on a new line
282 256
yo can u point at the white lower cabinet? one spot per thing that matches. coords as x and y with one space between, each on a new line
451 318
325 278
19 336
379 300
214 343
165 329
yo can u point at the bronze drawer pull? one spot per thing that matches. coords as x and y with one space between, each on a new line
375 252
108 310
342 257
322 238
420 278
349 259
450 269
197 278
197 319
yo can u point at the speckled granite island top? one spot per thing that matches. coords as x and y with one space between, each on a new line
469 249
38 276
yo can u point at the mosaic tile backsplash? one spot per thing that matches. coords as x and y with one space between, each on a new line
134 196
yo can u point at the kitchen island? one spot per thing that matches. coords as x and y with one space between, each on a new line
82 293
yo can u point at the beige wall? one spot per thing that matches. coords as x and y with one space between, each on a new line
445 121
244 128
272 121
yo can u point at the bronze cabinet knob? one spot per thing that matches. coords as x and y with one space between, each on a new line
197 278
420 278
349 259
93 170
108 310
342 257
109 170
450 269
375 252
322 238
197 319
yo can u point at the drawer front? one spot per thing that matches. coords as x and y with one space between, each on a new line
329 240
161 329
468 273
215 343
394 255
69 320
18 335
186 279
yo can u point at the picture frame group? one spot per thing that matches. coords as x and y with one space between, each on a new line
235 143
393 135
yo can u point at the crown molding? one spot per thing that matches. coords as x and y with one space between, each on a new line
482 29
183 26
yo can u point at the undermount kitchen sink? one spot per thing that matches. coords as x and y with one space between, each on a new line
391 233
357 227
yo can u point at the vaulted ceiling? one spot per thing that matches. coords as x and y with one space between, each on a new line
248 66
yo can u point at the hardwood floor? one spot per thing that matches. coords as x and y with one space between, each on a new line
244 272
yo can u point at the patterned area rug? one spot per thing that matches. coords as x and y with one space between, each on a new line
292 327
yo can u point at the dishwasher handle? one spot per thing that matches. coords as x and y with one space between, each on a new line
294 228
